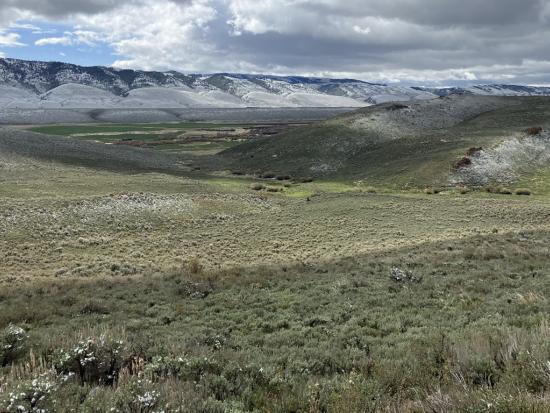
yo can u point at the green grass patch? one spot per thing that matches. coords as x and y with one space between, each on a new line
538 183
210 148
66 130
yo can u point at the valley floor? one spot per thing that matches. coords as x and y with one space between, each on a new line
148 292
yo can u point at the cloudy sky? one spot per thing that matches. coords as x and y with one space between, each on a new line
441 42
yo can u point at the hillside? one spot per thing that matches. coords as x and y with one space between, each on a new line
396 144
54 85
44 85
489 90
83 153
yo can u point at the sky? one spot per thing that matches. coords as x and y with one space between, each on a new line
429 42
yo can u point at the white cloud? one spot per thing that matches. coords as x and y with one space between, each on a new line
44 31
86 37
78 37
24 26
159 35
61 41
10 40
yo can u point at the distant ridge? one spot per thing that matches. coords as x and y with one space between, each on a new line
33 84
489 90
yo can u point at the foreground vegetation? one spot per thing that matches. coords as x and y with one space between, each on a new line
149 293
145 281
472 335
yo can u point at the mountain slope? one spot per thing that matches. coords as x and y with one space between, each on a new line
135 88
489 90
394 144
109 87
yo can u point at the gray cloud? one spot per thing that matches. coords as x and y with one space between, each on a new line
438 12
61 8
423 41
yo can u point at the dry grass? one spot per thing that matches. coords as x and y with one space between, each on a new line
230 300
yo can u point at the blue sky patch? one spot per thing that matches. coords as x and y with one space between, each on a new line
32 33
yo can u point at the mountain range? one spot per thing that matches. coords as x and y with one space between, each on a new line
33 84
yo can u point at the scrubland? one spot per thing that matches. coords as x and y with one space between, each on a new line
148 292
157 289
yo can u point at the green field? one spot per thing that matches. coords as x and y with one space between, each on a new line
177 290
157 136
67 130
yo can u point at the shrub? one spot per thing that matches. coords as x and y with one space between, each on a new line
32 395
211 406
473 150
463 163
194 266
504 191
13 342
397 106
432 191
531 372
523 191
480 371
94 307
165 367
327 364
533 131
196 290
97 360
196 368
257 187
218 386
500 190
403 276
268 175
132 395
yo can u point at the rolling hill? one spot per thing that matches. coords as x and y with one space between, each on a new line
403 145
489 90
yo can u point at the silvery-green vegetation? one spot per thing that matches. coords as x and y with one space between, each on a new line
142 280
506 162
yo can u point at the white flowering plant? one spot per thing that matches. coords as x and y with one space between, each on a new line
96 360
32 396
13 342
137 395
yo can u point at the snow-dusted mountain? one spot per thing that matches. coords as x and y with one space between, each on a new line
30 84
489 90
